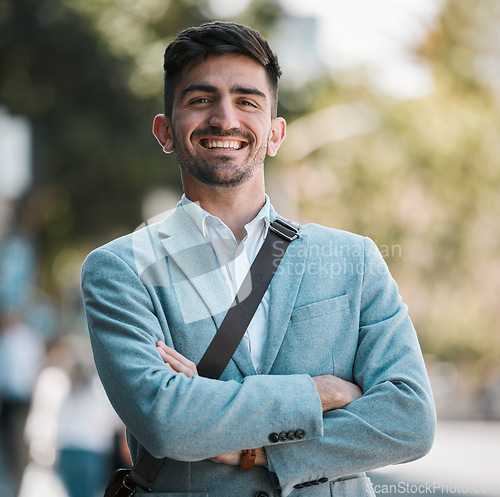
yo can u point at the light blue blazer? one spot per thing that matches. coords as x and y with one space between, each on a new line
334 308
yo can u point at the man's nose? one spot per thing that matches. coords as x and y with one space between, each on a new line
224 115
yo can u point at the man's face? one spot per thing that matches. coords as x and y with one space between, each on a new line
221 126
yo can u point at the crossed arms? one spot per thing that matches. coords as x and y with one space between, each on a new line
333 392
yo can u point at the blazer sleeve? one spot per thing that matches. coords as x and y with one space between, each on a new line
173 416
394 420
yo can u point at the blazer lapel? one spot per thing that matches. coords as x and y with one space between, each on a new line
198 281
283 293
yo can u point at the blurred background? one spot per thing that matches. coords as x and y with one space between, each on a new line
393 132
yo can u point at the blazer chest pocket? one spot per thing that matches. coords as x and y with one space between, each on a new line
319 309
314 338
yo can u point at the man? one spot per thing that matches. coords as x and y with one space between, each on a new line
329 380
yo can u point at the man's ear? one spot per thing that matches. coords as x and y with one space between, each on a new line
162 130
278 132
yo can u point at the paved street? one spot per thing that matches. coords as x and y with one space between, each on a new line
465 461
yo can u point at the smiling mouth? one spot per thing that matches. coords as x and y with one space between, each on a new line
212 144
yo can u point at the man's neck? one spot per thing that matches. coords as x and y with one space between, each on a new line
235 206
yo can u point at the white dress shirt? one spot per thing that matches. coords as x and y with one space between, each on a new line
236 260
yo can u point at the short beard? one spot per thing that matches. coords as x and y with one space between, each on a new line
208 173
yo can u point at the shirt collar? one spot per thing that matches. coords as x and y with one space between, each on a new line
200 216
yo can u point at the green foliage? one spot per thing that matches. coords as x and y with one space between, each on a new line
425 185
423 181
93 152
88 75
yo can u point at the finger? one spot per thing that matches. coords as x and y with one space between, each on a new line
173 353
177 366
232 459
170 367
171 361
165 360
184 362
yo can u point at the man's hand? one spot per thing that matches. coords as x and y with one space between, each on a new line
180 364
335 392
177 362
235 458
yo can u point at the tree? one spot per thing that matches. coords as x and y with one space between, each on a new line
88 75
423 182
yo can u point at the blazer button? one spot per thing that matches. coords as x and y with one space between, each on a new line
299 485
274 437
300 433
261 494
291 435
323 480
283 436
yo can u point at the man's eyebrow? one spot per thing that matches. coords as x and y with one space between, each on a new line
243 90
205 88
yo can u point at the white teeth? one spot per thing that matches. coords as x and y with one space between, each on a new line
234 145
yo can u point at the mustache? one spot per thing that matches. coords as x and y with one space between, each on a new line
217 132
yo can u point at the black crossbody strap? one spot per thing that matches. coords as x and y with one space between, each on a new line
231 331
242 310
145 470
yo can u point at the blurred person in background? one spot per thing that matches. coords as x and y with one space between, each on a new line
329 380
21 345
72 426
87 429
21 359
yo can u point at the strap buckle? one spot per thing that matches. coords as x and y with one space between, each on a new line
284 229
128 487
122 485
117 486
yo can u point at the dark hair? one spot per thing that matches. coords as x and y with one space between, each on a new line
217 38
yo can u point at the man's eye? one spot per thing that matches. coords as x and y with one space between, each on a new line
200 100
247 103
